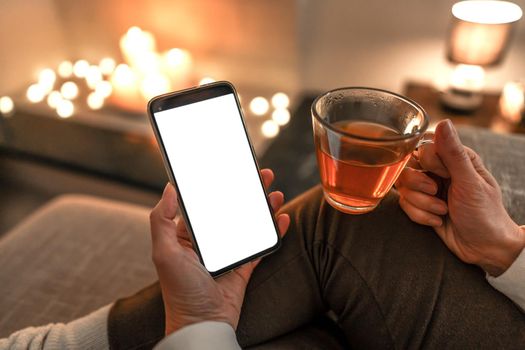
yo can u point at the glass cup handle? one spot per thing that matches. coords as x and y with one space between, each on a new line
413 163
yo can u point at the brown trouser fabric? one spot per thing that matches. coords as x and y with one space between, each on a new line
391 284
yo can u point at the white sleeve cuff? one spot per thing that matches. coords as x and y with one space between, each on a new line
203 336
512 282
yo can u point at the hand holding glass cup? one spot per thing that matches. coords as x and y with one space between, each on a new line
363 138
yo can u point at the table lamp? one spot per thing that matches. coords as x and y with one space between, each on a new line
479 36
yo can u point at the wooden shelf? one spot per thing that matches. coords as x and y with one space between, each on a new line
486 116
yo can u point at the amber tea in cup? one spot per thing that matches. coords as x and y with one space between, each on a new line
363 138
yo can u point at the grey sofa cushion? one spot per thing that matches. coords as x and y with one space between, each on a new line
504 156
75 254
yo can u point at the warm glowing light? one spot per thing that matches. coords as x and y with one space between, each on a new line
65 109
136 45
65 69
134 31
178 58
153 85
146 62
69 90
140 39
270 128
280 100
95 101
104 88
259 106
281 116
46 79
512 101
6 105
468 77
93 76
80 68
123 75
487 11
54 98
206 80
107 65
35 93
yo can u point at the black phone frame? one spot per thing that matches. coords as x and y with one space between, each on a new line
193 95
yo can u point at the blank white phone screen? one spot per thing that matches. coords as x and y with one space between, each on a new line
211 159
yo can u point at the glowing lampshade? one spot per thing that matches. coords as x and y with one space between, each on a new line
480 31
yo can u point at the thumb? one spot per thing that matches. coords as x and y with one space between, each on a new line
452 152
161 218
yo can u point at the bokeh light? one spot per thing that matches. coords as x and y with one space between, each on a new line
259 106
280 100
270 128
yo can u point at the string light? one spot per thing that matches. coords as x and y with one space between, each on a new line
259 106
65 69
46 79
281 116
93 76
69 90
107 65
270 128
35 93
95 101
7 105
80 68
65 108
280 100
54 98
104 88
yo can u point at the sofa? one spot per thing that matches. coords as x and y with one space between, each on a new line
78 253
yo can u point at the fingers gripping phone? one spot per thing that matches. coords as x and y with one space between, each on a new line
211 163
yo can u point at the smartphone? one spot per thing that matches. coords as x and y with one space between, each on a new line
211 163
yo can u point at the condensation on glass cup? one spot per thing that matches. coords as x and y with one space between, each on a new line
363 138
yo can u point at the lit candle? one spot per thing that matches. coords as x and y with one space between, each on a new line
125 88
178 63
153 85
512 102
135 44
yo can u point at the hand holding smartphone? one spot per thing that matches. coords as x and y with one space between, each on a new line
211 163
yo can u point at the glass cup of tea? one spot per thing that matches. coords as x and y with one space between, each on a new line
363 138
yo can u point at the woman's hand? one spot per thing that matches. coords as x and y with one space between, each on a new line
190 294
468 213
